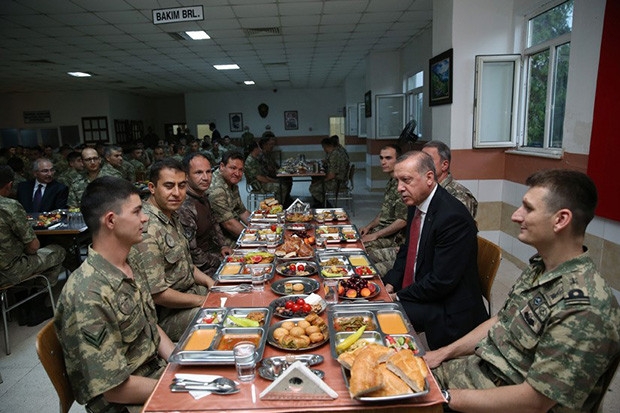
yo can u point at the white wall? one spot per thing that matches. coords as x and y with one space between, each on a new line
314 107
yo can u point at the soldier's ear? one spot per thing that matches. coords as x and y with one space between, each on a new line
109 220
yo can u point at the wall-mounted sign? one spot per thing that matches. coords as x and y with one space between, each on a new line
178 14
37 116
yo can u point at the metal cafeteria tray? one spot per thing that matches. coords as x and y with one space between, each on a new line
330 214
349 258
372 312
254 236
233 271
337 233
258 216
223 327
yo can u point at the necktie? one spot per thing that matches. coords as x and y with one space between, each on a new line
412 250
36 200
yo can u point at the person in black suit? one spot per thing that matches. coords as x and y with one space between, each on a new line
53 194
440 292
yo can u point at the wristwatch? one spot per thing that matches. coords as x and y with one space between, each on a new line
446 395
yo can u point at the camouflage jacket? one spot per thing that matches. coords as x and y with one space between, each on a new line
226 202
107 326
337 162
203 232
251 169
558 330
68 176
461 193
76 190
15 232
393 208
109 170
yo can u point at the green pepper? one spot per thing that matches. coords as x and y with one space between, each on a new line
243 322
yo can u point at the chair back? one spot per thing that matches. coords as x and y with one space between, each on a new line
489 257
50 353
351 175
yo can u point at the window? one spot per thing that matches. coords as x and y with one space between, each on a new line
414 89
546 62
95 129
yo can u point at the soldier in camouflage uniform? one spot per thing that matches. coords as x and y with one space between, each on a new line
136 155
92 169
206 241
336 170
177 286
385 233
228 208
553 341
106 320
114 165
440 152
74 171
259 181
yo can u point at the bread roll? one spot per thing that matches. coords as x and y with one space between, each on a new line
364 378
392 384
411 369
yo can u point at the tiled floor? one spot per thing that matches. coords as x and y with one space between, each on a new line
26 387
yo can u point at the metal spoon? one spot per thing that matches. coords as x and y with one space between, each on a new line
221 385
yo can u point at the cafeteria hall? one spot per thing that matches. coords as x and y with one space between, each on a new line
511 86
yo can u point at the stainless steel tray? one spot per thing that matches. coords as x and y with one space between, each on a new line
337 233
259 235
240 272
372 311
346 374
330 215
257 216
350 258
212 356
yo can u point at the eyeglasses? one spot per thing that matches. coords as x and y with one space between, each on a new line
46 171
93 159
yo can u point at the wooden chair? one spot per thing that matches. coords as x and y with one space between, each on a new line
23 286
52 359
489 256
344 192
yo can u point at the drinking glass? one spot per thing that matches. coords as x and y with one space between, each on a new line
330 287
245 361
258 278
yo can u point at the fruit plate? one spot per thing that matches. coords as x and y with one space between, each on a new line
372 294
291 313
271 340
309 286
302 269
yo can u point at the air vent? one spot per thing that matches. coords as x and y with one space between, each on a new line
176 36
262 31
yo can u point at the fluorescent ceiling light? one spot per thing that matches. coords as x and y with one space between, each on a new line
249 82
79 74
198 35
226 67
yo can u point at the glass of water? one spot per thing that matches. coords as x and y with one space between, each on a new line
258 278
245 361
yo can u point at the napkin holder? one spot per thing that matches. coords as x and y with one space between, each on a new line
298 382
298 206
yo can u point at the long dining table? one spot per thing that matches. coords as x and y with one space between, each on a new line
164 400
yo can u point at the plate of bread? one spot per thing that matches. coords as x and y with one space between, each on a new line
375 373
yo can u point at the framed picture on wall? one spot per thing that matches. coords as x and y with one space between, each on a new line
291 121
440 85
236 122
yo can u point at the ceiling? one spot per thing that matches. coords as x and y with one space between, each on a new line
277 43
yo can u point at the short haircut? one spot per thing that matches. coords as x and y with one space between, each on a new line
177 147
327 142
232 155
568 189
16 163
6 175
72 156
263 140
253 145
166 163
396 148
188 158
424 162
107 151
36 164
104 194
442 149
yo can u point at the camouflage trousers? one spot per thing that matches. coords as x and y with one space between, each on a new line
47 261
174 321
153 369
469 372
319 187
383 257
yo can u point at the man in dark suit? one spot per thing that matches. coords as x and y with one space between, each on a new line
437 283
42 193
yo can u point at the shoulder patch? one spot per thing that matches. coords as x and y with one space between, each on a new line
94 335
576 296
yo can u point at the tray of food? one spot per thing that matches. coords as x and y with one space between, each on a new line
260 235
329 215
238 267
342 264
268 211
381 335
295 285
212 334
298 334
305 216
44 220
337 233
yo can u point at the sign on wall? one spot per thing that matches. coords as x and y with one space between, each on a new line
178 14
37 116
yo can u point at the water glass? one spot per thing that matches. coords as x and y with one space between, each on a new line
330 287
245 361
258 278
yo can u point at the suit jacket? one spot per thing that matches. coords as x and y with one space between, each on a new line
54 197
445 300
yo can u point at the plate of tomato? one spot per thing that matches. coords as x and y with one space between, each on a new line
296 269
292 306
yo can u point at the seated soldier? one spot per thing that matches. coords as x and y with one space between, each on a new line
105 320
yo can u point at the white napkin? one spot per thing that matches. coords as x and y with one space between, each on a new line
205 378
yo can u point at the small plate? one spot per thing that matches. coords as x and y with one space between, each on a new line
310 286
283 269
372 295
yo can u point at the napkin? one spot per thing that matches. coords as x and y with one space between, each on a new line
206 378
